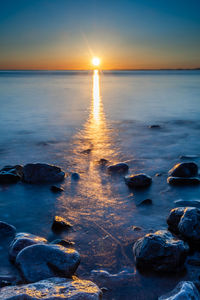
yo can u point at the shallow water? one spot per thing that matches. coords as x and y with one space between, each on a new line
73 119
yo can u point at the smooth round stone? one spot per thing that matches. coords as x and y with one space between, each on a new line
75 176
118 168
160 251
185 290
53 289
186 169
183 180
43 261
138 180
7 230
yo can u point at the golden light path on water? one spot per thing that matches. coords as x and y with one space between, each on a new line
90 202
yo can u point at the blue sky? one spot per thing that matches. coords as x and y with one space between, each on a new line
65 34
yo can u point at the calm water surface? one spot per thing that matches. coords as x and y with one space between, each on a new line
73 119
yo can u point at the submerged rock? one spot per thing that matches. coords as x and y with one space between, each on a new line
53 289
160 251
60 224
42 261
103 277
7 230
103 162
23 240
6 280
187 169
75 176
118 168
185 290
41 173
146 202
192 203
186 221
155 126
11 174
56 189
63 242
183 180
138 180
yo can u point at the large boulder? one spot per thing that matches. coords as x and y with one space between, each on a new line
138 180
186 222
11 174
53 289
21 241
42 173
7 230
160 251
42 261
185 290
118 168
186 169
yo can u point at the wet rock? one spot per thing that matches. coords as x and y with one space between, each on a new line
86 151
192 203
103 162
118 168
60 224
6 280
11 174
103 277
63 242
56 189
187 169
21 241
75 176
183 291
42 173
187 224
155 126
136 228
138 180
146 202
43 261
160 251
183 181
53 289
7 230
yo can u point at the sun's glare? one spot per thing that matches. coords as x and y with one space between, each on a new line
96 61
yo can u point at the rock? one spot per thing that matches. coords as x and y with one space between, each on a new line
42 173
146 202
103 277
138 180
183 181
64 243
11 174
160 251
155 126
21 241
56 189
187 223
53 289
7 230
103 162
75 176
136 228
43 261
192 203
86 151
6 280
60 224
187 169
118 168
185 290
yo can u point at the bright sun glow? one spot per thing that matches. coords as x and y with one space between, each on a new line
96 61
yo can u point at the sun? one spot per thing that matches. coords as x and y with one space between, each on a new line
96 61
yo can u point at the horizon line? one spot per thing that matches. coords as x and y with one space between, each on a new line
140 69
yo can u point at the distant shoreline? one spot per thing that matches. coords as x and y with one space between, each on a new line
109 70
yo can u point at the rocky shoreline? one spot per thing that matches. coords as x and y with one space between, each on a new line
47 270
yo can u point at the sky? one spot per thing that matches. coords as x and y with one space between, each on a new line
125 34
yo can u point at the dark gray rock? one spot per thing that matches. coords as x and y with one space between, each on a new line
11 174
63 242
75 176
185 290
56 189
60 224
103 162
7 230
53 289
21 241
42 261
118 168
42 173
183 181
138 180
160 251
146 202
186 169
155 126
187 223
